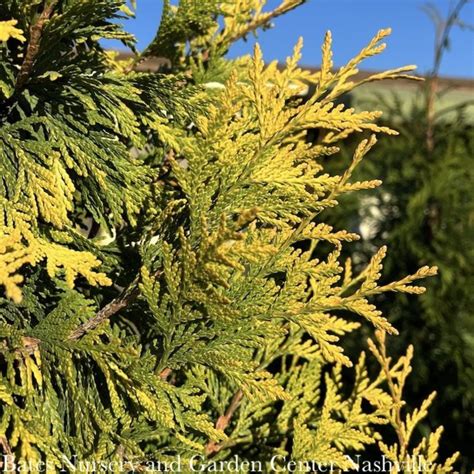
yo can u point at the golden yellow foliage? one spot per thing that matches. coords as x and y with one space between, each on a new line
8 30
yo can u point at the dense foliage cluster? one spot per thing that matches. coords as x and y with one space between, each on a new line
158 232
424 212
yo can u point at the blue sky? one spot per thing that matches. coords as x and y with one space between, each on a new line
353 23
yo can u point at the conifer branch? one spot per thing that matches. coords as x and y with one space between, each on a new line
394 392
244 149
223 422
32 50
128 296
264 19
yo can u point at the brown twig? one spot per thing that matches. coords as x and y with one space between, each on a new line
128 296
223 422
7 454
29 345
5 446
32 50
165 373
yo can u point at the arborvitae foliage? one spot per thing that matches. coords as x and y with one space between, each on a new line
431 199
160 291
424 212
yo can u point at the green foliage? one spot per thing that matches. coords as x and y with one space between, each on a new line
423 212
180 25
221 333
66 136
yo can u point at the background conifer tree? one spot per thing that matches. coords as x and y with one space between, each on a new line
160 294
